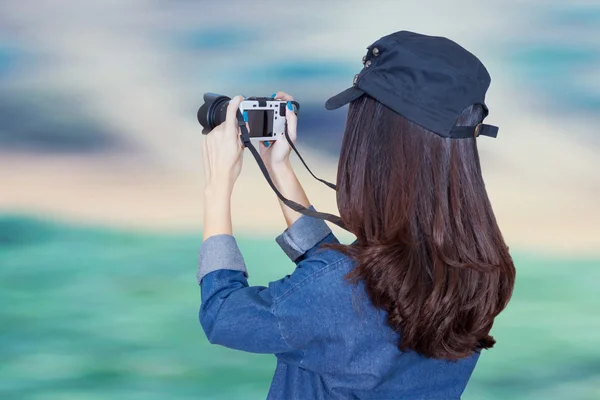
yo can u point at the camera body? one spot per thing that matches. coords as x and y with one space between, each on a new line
266 117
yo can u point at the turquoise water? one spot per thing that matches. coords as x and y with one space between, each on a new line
98 314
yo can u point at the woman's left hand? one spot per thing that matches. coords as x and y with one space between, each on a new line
223 153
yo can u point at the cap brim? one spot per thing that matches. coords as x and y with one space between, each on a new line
343 98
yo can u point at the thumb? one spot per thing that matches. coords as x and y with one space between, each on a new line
232 109
262 148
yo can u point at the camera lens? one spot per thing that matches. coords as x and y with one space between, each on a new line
213 112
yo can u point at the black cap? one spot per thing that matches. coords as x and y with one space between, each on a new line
429 80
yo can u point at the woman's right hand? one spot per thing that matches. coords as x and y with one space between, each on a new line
277 154
276 157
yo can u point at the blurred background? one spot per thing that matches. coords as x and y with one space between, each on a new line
101 182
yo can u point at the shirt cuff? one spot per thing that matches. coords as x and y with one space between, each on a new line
303 235
220 252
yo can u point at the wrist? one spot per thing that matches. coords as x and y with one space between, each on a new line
221 191
217 211
280 168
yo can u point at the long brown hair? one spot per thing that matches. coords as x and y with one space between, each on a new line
428 248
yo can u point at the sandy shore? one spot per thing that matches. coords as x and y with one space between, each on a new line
560 218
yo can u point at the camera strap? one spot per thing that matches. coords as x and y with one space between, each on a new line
334 219
331 185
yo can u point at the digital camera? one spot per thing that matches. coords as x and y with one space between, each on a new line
265 116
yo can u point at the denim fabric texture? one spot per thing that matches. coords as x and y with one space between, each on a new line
329 341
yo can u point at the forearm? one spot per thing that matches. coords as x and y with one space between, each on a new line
217 212
288 184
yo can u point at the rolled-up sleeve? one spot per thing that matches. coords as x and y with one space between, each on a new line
220 252
302 236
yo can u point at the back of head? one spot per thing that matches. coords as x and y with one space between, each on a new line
428 249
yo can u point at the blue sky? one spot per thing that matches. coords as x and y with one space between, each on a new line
563 63
9 57
201 53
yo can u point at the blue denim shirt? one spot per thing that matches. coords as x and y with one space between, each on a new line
330 342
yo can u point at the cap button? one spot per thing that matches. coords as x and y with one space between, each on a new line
355 79
375 51
364 59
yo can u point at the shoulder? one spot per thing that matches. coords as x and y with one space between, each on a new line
309 273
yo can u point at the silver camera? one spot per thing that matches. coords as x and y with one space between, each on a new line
265 116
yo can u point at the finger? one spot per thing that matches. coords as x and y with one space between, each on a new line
263 147
283 96
231 123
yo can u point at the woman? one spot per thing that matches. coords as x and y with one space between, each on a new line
404 311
